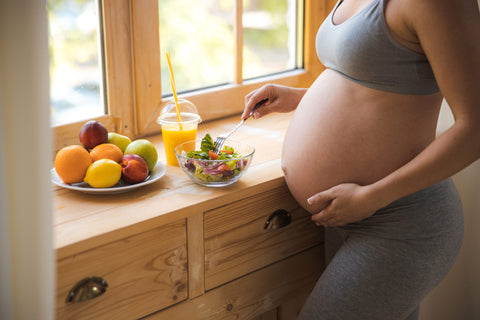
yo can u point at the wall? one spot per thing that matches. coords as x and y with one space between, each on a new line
458 294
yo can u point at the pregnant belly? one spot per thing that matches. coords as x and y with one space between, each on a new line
344 132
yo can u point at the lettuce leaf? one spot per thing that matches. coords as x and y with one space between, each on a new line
207 143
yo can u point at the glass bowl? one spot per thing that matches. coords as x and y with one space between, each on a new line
215 173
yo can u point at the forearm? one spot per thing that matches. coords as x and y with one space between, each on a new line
295 96
451 152
287 98
280 99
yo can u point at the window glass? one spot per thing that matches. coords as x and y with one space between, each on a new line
76 91
269 37
199 37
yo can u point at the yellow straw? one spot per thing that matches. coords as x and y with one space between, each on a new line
172 83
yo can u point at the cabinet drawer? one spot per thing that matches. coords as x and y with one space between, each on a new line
237 243
274 288
144 273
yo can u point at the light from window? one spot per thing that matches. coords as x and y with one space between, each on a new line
200 38
76 90
269 37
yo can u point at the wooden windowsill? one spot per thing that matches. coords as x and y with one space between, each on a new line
82 221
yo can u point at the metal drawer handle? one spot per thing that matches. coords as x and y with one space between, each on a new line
278 219
87 289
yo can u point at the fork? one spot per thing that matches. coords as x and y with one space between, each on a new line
221 138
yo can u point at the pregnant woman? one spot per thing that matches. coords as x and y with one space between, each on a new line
361 152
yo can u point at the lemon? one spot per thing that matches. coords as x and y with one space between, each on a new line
103 173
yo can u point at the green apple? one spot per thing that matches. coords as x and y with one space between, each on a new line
119 140
144 149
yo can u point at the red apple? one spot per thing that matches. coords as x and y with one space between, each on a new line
134 168
92 134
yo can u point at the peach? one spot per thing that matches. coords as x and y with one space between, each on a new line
92 134
134 168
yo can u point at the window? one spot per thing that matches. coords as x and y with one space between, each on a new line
202 36
270 39
76 84
199 37
136 36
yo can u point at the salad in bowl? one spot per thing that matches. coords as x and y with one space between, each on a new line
199 161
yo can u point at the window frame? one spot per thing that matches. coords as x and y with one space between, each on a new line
133 78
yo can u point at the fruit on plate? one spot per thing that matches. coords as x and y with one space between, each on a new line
92 134
144 149
134 169
71 163
106 151
104 158
103 173
119 140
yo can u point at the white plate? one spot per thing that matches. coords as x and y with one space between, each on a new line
158 171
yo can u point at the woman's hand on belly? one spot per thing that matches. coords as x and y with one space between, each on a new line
343 204
280 99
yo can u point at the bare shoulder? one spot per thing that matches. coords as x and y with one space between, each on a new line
446 16
411 20
449 34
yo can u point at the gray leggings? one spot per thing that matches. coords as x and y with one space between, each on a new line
390 261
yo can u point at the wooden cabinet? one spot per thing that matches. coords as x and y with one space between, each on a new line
145 273
277 291
238 269
237 241
219 263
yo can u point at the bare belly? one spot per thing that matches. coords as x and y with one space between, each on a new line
345 132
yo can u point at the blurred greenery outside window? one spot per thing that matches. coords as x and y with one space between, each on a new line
200 38
76 76
199 35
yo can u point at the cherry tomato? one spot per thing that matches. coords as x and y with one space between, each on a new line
223 167
212 155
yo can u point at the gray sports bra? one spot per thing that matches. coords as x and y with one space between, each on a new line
362 49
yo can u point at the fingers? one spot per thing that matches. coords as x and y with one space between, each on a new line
325 219
250 101
330 222
323 200
253 98
262 110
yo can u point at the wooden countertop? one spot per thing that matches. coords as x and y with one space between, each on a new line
83 221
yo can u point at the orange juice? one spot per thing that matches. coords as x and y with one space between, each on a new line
175 133
177 130
172 137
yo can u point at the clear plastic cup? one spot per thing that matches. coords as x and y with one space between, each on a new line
174 132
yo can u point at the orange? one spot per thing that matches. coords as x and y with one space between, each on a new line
106 151
71 163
